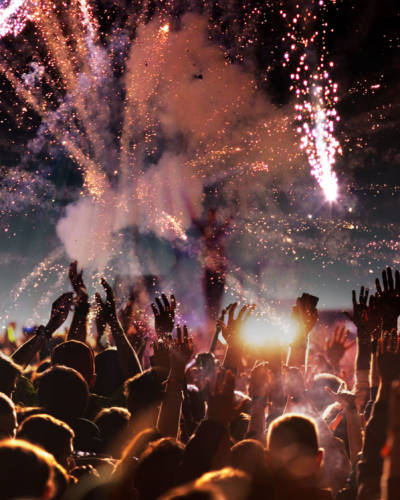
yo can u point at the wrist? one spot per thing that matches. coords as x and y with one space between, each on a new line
42 332
49 330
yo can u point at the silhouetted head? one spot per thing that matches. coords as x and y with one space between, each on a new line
49 433
293 446
134 449
248 455
9 374
192 492
63 392
8 417
78 356
108 372
113 424
164 457
26 471
144 391
234 483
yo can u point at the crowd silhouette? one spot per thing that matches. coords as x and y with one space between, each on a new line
138 412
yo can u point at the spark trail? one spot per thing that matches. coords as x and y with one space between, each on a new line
316 93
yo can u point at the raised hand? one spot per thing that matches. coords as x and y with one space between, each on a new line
337 346
59 312
345 398
107 312
222 407
358 316
232 328
305 315
77 282
180 352
388 298
164 314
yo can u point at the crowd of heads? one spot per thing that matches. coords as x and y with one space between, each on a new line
110 416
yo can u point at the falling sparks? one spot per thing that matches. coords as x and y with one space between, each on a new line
14 16
165 29
173 224
315 99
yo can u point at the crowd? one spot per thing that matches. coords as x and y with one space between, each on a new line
111 417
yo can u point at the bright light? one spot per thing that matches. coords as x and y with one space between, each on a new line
165 28
262 332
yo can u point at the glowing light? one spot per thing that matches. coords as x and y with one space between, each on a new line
165 28
262 332
172 224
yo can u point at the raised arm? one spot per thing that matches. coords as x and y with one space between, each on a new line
370 467
393 443
128 359
78 327
260 383
347 401
231 331
337 346
59 312
209 447
305 315
180 352
364 319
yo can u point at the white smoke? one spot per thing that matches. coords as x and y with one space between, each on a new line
213 122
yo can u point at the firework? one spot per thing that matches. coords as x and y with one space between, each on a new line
316 97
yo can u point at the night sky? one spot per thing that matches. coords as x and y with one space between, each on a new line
285 237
